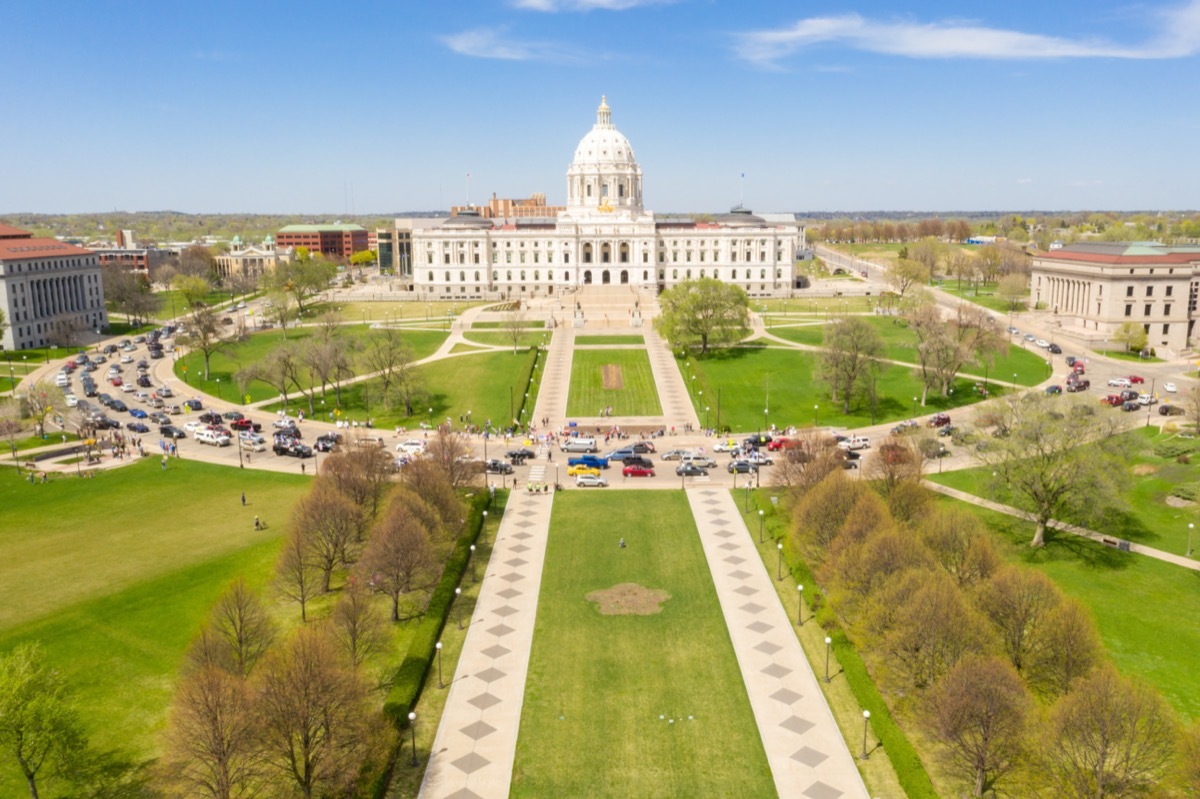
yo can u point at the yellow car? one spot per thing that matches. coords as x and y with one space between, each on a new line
575 471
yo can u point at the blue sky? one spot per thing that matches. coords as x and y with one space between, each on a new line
328 108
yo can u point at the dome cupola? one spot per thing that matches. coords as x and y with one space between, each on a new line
605 176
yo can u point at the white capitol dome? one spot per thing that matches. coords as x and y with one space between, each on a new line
604 144
604 177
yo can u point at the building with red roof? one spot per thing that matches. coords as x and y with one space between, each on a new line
50 291
1092 290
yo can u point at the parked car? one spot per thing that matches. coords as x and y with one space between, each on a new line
1170 388
689 469
621 454
1112 399
245 424
1136 379
1119 382
642 447
294 449
939 420
171 431
232 416
213 437
415 446
1147 399
138 413
158 417
194 404
1041 342
166 393
1070 360
575 471
590 481
781 444
1054 348
741 467
1078 385
118 406
1053 390
1012 331
1171 410
637 470
496 466
1131 406
703 461
674 454
1129 395
725 445
589 460
323 443
855 442
137 427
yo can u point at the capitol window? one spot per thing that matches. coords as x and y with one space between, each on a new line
462 277
537 275
508 275
733 275
431 277
447 277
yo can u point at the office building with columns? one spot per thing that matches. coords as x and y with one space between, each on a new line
50 291
1091 290
604 235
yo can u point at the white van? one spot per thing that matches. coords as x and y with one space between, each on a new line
578 445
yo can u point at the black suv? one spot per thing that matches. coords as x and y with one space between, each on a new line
638 460
295 449
495 466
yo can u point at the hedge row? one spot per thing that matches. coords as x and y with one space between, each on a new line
907 764
527 381
410 677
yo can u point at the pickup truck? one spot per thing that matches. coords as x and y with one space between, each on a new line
855 442
589 460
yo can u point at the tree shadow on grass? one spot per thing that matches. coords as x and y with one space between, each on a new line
1061 546
729 353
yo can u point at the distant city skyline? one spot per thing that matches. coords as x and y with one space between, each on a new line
324 109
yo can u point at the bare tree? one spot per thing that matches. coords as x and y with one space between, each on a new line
356 624
329 523
279 309
315 716
387 356
204 334
851 344
240 630
399 557
819 515
514 326
897 460
432 484
41 400
978 712
453 457
813 457
213 738
1110 737
11 426
297 575
1070 648
362 474
929 253
1018 602
960 543
1013 289
279 369
904 274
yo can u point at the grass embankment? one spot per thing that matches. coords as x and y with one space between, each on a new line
226 362
634 395
597 684
114 585
983 294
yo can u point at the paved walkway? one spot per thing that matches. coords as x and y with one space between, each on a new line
672 393
556 380
809 758
1141 549
477 736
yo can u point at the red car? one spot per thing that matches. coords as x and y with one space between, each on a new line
1135 379
116 381
637 471
245 424
777 444
1112 399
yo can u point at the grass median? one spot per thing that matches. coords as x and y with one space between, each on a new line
620 379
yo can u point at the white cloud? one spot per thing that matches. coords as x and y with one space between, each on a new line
553 6
1178 36
1024 181
494 43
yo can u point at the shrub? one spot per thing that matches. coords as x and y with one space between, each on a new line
1174 448
1188 491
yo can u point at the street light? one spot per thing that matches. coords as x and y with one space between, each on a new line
412 725
765 425
828 641
800 605
431 418
1190 528
218 388
779 566
438 646
705 417
472 559
485 527
760 525
815 409
914 406
458 602
866 723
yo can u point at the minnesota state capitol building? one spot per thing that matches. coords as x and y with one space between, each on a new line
604 235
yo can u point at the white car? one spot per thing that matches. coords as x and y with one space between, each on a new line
72 400
590 480
725 446
126 359
252 442
1041 342
142 396
128 388
194 427
1119 382
212 437
1146 399
414 446
1170 388
165 392
855 442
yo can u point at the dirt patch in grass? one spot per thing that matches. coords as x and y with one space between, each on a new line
1143 469
613 379
1179 502
629 599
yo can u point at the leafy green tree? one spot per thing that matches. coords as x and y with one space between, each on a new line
1057 457
1132 335
704 312
1013 289
363 258
851 345
302 278
39 727
193 289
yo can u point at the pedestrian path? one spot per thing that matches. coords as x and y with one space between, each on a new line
472 755
809 758
672 393
556 379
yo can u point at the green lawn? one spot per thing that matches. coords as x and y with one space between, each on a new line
114 589
597 685
746 380
493 338
173 305
528 324
985 295
1147 611
637 397
1122 355
225 364
478 383
815 305
393 310
900 344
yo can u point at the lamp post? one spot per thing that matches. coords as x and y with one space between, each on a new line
765 425
485 527
458 602
760 525
438 646
412 725
779 565
431 418
705 417
866 723
828 641
218 388
941 456
800 606
747 493
472 559
816 408
914 407
512 414
1191 527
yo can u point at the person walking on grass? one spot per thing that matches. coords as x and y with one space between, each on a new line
243 499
